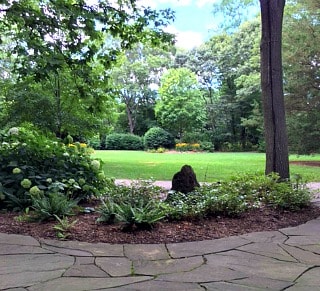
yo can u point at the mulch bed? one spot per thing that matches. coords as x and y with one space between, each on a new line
86 229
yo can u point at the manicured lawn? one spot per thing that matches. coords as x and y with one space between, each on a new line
209 167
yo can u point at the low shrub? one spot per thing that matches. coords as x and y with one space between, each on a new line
95 142
242 193
123 141
137 206
29 160
140 205
157 137
52 206
207 146
183 147
160 150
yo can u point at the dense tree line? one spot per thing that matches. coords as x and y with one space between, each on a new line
211 93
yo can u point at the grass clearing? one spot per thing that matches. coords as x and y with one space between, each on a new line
209 167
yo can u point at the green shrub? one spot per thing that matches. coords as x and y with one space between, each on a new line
29 158
106 211
157 137
95 142
207 146
143 215
183 147
140 205
240 194
195 137
136 206
285 196
53 205
123 141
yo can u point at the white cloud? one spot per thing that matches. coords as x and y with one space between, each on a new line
186 39
201 3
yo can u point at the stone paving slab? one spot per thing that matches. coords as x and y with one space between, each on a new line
16 239
262 283
265 237
204 274
115 267
255 265
188 249
15 280
97 249
146 252
83 284
11 249
156 285
271 250
170 266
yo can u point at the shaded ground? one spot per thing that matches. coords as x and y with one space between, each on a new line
86 228
306 163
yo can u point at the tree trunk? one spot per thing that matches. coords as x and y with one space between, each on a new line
277 159
130 119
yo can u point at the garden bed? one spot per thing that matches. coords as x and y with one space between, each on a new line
86 229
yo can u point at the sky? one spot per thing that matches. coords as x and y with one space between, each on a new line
194 21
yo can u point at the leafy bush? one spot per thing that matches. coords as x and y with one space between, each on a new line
182 147
160 150
195 137
136 206
157 137
143 215
63 227
107 211
236 196
53 205
123 141
29 158
207 146
95 142
141 204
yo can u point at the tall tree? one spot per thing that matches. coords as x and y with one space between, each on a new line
301 38
49 38
180 108
277 157
135 81
49 34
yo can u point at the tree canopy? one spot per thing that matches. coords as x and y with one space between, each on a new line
180 107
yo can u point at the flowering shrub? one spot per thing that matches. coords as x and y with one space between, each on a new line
183 147
32 164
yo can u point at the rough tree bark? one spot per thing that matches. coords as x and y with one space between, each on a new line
277 159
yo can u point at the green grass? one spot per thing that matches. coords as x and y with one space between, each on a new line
209 167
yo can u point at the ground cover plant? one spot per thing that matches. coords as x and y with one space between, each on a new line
209 167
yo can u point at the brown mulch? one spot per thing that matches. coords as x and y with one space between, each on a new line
86 229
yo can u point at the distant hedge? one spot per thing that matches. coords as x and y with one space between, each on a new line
157 137
124 141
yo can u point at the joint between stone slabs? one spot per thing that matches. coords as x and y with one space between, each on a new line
288 253
304 272
286 235
167 249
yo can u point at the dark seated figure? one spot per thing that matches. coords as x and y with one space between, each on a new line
185 181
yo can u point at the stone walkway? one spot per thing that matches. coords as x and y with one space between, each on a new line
288 259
